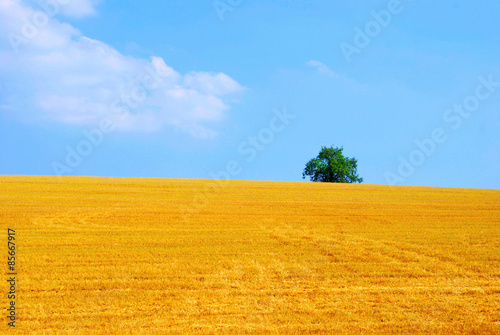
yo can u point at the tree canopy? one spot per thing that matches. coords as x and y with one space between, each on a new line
332 167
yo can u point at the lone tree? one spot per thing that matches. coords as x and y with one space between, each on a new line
332 167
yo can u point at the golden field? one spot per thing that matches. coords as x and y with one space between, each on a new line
155 256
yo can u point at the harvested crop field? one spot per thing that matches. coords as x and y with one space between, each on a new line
154 256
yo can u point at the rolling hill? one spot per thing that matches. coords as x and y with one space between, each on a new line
147 256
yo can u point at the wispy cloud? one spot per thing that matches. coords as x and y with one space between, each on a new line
322 68
69 78
80 8
70 8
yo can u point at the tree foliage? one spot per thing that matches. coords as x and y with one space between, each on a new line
332 167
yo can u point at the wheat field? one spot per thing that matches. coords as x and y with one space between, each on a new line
164 256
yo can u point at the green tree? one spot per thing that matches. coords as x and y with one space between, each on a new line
332 167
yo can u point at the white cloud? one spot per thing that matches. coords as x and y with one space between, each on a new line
71 8
322 68
69 78
79 8
218 84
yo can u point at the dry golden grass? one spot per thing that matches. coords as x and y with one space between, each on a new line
151 256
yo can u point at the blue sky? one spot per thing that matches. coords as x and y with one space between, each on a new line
251 89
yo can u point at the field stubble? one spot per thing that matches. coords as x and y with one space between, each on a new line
116 255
